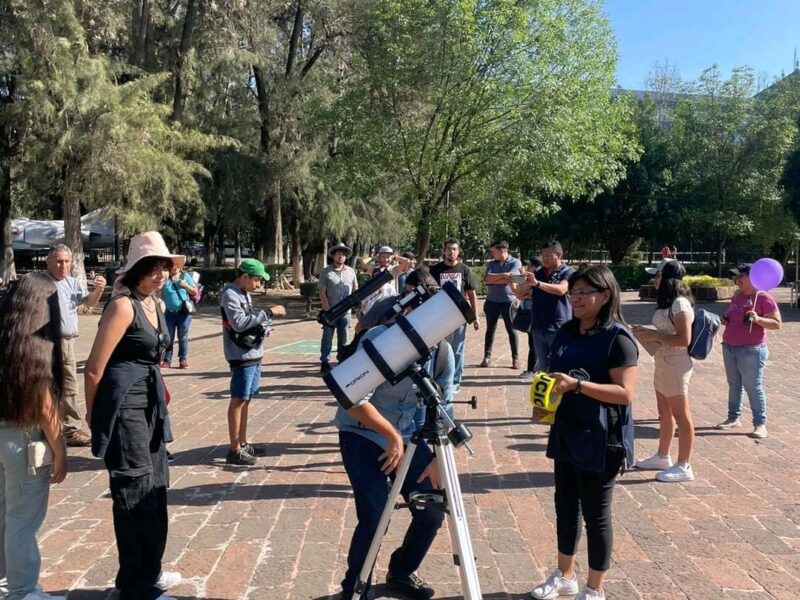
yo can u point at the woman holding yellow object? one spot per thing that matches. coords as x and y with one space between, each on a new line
594 361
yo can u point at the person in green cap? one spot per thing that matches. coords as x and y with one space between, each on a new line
243 332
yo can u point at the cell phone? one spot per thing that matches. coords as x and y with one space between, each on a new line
518 279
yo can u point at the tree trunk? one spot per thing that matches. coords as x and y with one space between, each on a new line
181 64
297 254
209 243
72 228
423 235
273 229
140 29
8 270
237 246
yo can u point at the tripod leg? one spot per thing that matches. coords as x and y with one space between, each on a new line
463 555
386 517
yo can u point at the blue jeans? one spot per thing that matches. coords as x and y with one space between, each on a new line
327 338
23 506
543 342
456 340
744 368
371 491
181 322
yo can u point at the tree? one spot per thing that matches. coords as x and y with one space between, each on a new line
729 149
93 140
454 93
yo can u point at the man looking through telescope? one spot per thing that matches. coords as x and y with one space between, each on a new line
373 434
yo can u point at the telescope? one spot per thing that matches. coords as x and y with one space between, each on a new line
354 300
411 338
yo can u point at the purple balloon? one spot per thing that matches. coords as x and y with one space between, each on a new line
765 274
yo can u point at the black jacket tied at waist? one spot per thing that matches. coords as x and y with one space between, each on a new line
114 386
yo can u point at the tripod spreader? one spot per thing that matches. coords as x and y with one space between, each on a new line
473 402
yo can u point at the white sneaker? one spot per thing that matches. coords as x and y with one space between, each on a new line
39 594
168 579
456 388
654 463
526 374
676 474
590 594
729 424
555 586
760 432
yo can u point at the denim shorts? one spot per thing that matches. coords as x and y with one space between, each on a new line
244 381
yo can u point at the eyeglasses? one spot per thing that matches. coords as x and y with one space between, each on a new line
582 294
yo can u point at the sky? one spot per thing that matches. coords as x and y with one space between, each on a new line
695 34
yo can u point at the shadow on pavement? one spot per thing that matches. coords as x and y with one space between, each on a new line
483 483
213 493
111 594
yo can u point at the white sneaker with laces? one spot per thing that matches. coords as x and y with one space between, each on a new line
729 424
168 579
590 594
676 474
759 432
654 463
555 586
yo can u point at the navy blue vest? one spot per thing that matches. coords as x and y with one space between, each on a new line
580 433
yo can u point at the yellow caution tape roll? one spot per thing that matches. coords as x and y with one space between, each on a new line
542 397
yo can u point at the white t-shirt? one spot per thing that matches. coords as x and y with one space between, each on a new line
664 324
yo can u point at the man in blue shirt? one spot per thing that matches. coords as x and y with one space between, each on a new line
373 433
499 300
550 305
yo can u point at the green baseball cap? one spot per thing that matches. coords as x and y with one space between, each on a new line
254 268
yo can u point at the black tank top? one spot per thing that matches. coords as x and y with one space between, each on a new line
142 343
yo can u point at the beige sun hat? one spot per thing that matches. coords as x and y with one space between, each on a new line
147 244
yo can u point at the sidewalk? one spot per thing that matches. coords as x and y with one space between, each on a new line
281 530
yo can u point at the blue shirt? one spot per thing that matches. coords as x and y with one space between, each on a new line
501 292
397 403
173 294
551 311
71 294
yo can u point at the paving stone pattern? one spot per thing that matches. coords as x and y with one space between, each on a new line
281 530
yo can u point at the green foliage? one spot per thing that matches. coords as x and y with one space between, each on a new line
706 281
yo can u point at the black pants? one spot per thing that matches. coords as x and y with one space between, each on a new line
531 352
493 311
591 493
137 463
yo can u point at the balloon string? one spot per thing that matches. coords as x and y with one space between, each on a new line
755 301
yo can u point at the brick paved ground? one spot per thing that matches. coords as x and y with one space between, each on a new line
281 530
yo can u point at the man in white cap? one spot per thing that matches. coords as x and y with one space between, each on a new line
71 294
336 282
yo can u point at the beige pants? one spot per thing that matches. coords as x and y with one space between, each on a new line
68 409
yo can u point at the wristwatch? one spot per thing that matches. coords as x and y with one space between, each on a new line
538 283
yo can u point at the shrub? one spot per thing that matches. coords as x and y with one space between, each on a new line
706 281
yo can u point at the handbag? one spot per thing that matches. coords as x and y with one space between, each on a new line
521 318
188 308
39 455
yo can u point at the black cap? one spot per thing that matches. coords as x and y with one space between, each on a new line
743 269
673 270
535 262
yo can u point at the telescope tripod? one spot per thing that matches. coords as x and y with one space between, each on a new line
435 434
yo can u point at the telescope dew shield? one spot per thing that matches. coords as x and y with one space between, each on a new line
331 316
389 354
541 396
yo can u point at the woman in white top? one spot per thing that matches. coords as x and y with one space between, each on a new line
673 369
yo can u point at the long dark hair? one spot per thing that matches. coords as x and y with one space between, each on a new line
601 279
670 289
30 349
